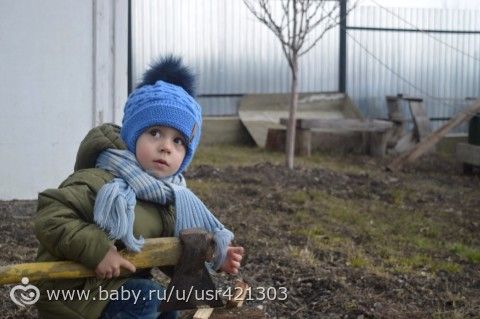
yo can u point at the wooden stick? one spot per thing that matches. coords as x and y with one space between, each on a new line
433 138
155 252
240 292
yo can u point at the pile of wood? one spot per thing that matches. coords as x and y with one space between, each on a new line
422 139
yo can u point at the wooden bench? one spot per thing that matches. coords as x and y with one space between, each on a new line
377 132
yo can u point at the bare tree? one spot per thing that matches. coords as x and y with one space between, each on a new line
293 25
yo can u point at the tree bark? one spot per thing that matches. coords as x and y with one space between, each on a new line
291 127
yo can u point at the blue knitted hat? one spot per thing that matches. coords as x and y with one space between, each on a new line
164 97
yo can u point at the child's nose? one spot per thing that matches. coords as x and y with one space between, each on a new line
165 145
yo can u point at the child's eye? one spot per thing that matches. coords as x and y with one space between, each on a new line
155 132
179 141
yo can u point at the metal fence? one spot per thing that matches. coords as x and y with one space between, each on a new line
429 53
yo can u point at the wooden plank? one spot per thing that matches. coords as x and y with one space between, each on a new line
343 125
421 120
468 153
155 252
203 313
433 138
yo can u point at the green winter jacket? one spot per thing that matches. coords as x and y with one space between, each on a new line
66 231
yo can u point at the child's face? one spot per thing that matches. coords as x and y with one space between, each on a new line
160 150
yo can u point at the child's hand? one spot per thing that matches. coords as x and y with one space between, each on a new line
110 265
233 259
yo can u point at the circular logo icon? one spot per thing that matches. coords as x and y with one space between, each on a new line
24 294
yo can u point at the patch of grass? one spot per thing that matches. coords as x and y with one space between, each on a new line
350 305
303 254
469 253
447 266
448 315
302 216
230 155
404 239
233 155
398 196
315 231
298 197
205 188
357 262
330 161
415 262
423 243
406 264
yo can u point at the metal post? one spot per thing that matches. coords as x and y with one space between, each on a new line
129 66
342 70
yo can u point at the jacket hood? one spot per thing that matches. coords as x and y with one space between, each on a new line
97 140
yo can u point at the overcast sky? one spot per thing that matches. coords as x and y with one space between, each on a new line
445 4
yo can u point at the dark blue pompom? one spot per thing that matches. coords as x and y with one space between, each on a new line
170 69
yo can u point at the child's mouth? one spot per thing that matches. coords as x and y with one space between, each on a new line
161 162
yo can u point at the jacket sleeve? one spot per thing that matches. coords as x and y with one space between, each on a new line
64 225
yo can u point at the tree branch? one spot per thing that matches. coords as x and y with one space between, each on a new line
298 19
267 19
326 15
317 39
304 5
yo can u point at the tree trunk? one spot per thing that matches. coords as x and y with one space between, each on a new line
291 127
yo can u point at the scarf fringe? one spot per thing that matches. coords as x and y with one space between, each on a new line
113 212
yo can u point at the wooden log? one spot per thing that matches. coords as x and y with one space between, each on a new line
433 138
156 252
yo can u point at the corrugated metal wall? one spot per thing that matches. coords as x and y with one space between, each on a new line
232 52
442 68
235 54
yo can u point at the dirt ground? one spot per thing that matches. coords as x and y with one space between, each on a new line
337 238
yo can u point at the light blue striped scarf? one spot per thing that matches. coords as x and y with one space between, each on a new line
115 203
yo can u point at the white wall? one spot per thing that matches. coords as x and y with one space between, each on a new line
47 88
